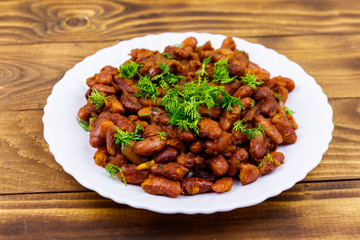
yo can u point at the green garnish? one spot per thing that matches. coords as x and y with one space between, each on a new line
145 114
252 104
112 170
166 79
221 72
167 56
249 132
162 135
182 103
270 160
278 97
178 45
205 62
129 70
288 111
251 81
146 88
97 98
92 118
83 124
125 138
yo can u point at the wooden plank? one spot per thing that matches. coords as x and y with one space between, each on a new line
327 210
30 71
79 21
25 151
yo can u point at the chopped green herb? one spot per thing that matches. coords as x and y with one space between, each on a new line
145 114
83 124
182 103
178 45
112 170
166 79
92 118
278 97
252 104
146 88
251 81
162 135
269 158
167 56
97 98
221 72
205 62
288 111
249 132
125 138
129 70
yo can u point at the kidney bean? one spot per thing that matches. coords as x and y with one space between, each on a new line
129 153
237 137
191 185
115 105
229 117
126 85
173 171
150 130
177 144
144 113
104 88
83 114
209 128
122 122
270 130
228 43
130 102
101 156
258 146
223 185
190 41
284 127
187 160
167 155
284 82
223 145
243 91
196 146
161 186
231 87
149 146
218 165
270 163
104 77
111 147
186 136
132 175
248 173
202 173
213 113
117 160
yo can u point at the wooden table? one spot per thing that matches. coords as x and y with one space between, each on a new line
41 40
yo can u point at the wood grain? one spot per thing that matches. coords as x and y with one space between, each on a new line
22 145
32 70
79 21
307 211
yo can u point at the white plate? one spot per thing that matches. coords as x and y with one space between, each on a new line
70 145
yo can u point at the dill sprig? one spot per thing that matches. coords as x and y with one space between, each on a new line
249 132
125 138
251 80
146 88
166 78
182 103
129 70
205 62
269 158
221 72
97 98
288 111
162 135
84 125
167 56
112 170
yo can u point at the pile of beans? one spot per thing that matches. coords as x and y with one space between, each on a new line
184 162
